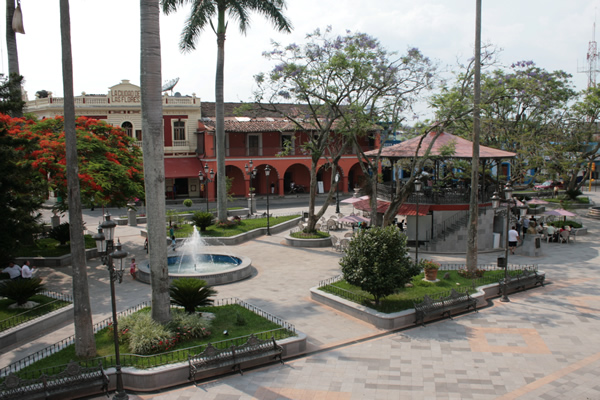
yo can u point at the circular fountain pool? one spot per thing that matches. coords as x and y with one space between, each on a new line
191 262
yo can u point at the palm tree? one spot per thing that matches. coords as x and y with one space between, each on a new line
11 49
85 345
202 13
154 167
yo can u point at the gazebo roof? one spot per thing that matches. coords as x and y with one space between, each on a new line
463 148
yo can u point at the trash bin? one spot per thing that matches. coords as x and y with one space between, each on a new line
305 216
501 262
538 242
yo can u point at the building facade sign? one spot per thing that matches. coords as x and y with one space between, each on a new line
125 96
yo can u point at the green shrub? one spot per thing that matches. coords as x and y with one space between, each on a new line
21 290
61 233
188 326
144 335
239 319
561 224
190 293
377 261
309 235
188 202
202 219
572 194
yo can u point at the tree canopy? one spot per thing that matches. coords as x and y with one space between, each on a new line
344 86
110 165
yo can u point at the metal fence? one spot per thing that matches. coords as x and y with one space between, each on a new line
25 316
153 360
478 281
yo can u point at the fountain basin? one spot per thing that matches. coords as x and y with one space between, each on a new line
225 269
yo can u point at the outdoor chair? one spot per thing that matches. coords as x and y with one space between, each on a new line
318 227
335 243
344 244
349 234
564 237
332 225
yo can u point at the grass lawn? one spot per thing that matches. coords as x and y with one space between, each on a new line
46 305
50 248
246 225
226 318
403 298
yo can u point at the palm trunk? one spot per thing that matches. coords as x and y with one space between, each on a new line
12 53
85 345
474 199
154 166
220 124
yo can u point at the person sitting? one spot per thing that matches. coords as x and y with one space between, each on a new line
27 270
13 270
551 233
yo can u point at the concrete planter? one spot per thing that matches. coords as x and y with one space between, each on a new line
31 329
61 261
320 242
397 320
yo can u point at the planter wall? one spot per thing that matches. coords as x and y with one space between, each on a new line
397 320
62 261
320 242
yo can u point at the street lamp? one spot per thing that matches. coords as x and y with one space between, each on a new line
337 196
267 172
495 205
204 177
418 185
250 171
105 245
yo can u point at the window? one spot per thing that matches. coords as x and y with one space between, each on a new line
179 130
287 143
138 135
253 145
128 128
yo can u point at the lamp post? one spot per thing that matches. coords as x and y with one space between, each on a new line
105 246
250 171
418 185
337 196
495 205
267 172
204 177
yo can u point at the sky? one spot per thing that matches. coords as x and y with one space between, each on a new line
106 39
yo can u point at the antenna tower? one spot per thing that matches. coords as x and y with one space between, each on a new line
592 60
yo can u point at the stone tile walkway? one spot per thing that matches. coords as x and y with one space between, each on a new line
544 344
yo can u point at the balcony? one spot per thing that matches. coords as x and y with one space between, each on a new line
435 195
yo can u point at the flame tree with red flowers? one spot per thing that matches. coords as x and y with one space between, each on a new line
110 165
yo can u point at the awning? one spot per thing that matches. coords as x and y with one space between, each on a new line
411 209
382 206
182 167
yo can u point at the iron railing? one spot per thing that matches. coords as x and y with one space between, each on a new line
153 360
25 316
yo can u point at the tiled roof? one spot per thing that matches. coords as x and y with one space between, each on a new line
462 148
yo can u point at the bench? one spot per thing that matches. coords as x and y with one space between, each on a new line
522 280
234 356
73 378
443 305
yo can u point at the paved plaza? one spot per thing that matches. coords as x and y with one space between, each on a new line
543 344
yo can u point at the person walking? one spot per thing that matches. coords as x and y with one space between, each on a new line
133 268
525 226
513 239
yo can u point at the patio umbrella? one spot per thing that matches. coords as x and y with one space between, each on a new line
352 200
537 201
560 212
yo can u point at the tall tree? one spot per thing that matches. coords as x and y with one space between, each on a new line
154 166
85 345
203 11
474 195
344 86
11 49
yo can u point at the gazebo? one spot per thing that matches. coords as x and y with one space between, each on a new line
446 207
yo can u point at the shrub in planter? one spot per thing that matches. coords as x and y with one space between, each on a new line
430 268
188 202
61 233
190 293
202 219
21 290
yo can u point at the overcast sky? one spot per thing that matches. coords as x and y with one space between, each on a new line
105 39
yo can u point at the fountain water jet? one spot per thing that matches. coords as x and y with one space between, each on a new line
192 262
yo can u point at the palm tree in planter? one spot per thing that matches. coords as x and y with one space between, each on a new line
190 293
202 219
21 290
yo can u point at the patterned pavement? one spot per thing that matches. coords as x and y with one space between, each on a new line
543 344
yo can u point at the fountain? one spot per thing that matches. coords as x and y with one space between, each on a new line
191 262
